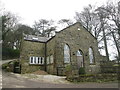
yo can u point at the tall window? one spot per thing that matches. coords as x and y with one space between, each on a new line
66 54
79 59
91 56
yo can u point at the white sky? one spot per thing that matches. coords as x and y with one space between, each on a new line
31 10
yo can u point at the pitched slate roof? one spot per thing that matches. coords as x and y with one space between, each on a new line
36 38
46 39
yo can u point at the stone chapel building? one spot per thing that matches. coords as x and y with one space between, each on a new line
73 45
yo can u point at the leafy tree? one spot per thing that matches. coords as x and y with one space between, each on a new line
19 33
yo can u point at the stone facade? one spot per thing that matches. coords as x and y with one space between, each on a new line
28 49
77 38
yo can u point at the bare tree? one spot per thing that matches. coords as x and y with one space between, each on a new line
95 21
103 21
68 22
114 14
43 27
9 22
1 8
113 11
89 19
86 17
116 44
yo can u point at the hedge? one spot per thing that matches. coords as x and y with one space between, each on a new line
8 53
95 78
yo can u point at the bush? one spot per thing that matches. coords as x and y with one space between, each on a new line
68 68
95 78
8 53
81 70
4 66
68 71
108 67
11 66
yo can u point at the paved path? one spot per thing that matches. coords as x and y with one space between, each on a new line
11 80
2 62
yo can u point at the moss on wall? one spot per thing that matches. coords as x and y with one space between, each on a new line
76 39
31 49
51 68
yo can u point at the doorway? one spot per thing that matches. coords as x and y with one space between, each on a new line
79 59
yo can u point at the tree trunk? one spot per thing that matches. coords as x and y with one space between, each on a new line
119 31
105 43
116 44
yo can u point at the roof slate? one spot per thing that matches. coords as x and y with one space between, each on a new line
36 38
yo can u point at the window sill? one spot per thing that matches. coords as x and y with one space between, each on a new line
36 64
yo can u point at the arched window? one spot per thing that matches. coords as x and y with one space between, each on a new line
79 53
79 58
66 54
91 55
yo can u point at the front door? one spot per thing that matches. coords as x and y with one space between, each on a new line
79 59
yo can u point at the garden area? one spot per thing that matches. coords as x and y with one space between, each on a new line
109 72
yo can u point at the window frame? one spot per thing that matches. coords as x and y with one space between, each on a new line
68 58
33 60
93 58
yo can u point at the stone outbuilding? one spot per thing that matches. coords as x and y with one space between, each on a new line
73 46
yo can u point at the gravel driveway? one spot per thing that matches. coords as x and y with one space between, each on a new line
11 80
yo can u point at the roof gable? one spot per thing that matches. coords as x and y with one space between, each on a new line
46 39
74 25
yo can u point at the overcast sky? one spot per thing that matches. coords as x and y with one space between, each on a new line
31 10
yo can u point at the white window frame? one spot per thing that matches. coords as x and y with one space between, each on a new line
35 60
42 60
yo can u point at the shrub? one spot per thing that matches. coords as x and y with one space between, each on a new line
8 53
68 72
11 66
4 66
96 78
108 67
81 70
